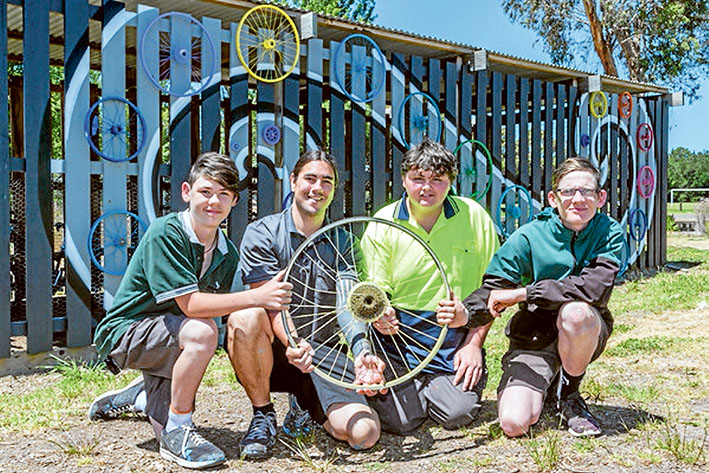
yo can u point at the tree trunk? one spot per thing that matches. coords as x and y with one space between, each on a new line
601 46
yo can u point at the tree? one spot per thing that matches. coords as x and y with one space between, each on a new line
658 41
688 170
357 10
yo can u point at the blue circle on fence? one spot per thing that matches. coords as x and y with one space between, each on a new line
638 224
515 211
419 122
271 135
115 129
350 72
193 52
585 140
114 236
624 258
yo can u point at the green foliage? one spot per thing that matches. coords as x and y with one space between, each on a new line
357 10
676 440
660 41
665 291
545 451
635 346
688 170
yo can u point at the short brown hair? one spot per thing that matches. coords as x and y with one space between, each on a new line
575 164
314 155
217 167
430 156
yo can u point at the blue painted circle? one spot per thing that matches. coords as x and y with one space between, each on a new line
585 140
420 122
624 258
179 54
515 212
112 129
271 135
638 224
234 146
113 236
341 75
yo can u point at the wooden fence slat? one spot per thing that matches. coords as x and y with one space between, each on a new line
397 135
481 128
661 190
434 89
148 97
560 154
357 153
4 193
290 129
548 135
537 175
266 154
314 110
495 132
613 162
211 96
113 67
180 115
510 127
77 210
337 132
38 202
572 121
239 142
524 132
381 177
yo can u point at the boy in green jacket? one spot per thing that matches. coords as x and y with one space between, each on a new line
560 269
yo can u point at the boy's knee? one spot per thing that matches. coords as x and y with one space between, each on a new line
245 324
577 317
364 432
200 334
515 424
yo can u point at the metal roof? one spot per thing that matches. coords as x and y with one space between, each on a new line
330 28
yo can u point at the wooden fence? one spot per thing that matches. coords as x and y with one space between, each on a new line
55 186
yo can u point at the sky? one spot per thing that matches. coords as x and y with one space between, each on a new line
483 23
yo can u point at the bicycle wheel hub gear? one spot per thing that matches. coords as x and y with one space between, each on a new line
367 302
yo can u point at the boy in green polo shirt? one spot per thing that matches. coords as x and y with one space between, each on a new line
463 237
161 321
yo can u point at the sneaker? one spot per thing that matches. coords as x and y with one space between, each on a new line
579 419
260 438
114 403
297 421
186 447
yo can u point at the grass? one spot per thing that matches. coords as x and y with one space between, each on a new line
301 445
681 207
545 450
675 440
636 346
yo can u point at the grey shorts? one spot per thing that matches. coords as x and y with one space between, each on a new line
404 408
152 346
536 369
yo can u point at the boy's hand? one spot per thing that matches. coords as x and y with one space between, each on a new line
301 356
275 294
369 369
387 324
469 367
451 312
500 299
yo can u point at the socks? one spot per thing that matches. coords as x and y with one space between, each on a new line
140 402
264 409
175 419
570 384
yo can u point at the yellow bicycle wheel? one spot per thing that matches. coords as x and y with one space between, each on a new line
267 43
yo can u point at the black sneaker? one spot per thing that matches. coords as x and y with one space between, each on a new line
260 438
579 419
114 403
297 421
186 447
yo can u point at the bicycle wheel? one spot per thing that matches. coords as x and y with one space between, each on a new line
337 298
187 61
113 239
518 209
598 103
638 225
115 129
267 43
470 175
360 68
419 119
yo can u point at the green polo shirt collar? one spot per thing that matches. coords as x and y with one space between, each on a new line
187 227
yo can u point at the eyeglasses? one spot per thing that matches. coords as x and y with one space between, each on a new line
569 192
